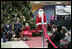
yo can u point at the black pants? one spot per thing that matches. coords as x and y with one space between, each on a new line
17 33
51 46
8 36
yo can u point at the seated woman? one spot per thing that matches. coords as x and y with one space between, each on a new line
67 37
26 31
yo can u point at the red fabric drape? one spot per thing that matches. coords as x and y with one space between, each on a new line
48 37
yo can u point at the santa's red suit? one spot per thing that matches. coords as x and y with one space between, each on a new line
40 15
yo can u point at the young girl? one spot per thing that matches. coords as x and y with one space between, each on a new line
26 31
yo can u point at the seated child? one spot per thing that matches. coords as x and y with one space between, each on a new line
26 31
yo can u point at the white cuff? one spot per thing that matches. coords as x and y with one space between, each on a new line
38 23
44 23
40 30
41 23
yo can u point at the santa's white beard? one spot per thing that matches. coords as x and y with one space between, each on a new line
40 14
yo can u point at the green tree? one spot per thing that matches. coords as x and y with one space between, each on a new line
11 9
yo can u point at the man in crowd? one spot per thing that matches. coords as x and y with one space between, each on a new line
17 28
7 31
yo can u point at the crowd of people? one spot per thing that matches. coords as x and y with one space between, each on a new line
9 32
16 30
61 29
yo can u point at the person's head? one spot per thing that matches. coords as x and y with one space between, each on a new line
40 12
68 18
23 16
54 28
62 17
8 22
64 30
55 18
26 24
59 28
18 20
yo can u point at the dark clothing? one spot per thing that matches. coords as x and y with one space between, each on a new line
56 39
66 23
69 45
7 27
2 33
62 22
49 27
17 27
57 36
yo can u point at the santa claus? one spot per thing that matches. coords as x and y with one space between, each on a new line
40 19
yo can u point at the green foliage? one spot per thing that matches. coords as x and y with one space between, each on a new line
9 9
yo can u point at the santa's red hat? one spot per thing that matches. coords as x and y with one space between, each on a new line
40 8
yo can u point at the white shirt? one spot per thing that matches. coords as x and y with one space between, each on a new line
8 26
68 37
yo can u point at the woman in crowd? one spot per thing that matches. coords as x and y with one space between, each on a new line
67 37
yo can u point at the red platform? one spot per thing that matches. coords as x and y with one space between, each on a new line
36 42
